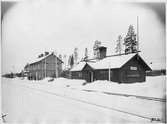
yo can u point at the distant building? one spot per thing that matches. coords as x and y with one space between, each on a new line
127 68
158 68
44 66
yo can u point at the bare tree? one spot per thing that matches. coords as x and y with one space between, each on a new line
75 55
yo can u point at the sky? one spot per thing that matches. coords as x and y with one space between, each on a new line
33 27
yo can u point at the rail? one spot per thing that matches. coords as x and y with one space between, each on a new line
129 95
90 103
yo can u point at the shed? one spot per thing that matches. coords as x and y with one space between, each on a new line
126 68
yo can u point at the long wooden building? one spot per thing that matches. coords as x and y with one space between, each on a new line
46 65
127 68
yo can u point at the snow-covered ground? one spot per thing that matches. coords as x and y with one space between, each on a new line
66 100
153 87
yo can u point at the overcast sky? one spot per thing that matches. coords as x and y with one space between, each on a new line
30 28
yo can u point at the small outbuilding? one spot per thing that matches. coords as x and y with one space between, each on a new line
126 68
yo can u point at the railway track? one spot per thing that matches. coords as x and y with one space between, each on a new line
95 104
129 95
137 96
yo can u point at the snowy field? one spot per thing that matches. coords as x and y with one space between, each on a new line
68 101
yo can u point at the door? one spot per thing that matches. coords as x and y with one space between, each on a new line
90 76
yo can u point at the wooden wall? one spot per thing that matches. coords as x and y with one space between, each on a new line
37 70
133 71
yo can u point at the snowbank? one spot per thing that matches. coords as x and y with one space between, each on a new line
61 82
153 87
68 82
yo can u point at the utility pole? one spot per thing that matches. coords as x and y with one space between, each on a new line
137 34
56 71
109 72
45 67
65 61
36 75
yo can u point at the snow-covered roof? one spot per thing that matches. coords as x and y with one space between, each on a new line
112 62
41 58
79 66
106 63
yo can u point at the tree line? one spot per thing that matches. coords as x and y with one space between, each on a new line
126 45
129 44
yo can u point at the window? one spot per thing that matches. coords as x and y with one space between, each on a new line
133 68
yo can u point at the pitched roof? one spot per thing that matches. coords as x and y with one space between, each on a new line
41 58
79 66
112 62
109 62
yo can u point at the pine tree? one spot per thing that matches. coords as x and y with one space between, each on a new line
75 55
119 45
130 41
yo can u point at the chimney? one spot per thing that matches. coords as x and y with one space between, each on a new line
46 53
102 52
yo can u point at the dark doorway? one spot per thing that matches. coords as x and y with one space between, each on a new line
90 76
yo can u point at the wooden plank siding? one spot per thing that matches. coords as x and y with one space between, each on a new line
133 70
101 74
45 67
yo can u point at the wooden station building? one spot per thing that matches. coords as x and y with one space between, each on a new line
126 68
46 65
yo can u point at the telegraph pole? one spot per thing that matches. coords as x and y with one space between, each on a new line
137 34
109 73
36 75
56 71
45 67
